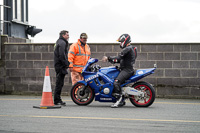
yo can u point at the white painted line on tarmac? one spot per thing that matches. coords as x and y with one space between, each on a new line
103 118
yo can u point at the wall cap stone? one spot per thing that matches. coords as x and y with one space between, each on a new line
137 43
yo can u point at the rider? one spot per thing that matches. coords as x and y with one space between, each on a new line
126 59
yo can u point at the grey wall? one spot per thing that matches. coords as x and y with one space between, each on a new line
178 73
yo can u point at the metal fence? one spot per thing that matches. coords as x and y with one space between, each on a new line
1 23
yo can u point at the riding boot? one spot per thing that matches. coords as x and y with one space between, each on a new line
117 93
117 89
118 102
122 103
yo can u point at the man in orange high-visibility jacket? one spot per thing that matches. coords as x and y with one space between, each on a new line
78 55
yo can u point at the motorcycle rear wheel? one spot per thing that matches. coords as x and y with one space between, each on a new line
82 96
149 95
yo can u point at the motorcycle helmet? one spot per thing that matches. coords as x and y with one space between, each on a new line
124 39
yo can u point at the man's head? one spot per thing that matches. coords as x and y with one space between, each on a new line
64 34
83 38
124 40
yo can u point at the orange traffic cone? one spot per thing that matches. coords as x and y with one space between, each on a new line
47 100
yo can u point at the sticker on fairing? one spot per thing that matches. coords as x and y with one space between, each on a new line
140 72
92 77
109 99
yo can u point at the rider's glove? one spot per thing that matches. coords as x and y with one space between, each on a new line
113 60
110 60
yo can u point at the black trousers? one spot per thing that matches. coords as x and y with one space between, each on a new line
123 75
59 85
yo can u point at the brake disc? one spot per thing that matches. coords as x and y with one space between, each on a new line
84 94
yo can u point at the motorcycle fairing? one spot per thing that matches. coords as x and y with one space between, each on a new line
93 80
140 73
111 72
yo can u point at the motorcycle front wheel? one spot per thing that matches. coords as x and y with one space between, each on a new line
149 95
81 94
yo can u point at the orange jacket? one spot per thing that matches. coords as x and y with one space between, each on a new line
78 56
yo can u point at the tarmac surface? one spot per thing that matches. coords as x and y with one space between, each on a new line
17 115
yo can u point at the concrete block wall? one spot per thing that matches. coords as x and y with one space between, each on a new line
25 67
178 66
177 75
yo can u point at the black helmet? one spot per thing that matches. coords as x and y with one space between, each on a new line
124 39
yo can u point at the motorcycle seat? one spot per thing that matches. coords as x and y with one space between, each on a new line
128 80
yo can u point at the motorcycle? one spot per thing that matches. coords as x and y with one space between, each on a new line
98 84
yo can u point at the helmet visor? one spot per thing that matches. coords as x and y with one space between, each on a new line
122 44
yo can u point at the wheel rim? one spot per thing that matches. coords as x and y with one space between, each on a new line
80 96
148 95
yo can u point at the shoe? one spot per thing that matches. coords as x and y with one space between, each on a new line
119 103
60 103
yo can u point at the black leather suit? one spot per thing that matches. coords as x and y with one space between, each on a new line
127 60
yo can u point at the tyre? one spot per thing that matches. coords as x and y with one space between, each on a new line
82 96
149 95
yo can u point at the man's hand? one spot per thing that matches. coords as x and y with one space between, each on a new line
70 69
105 59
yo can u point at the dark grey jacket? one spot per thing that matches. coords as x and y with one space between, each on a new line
61 62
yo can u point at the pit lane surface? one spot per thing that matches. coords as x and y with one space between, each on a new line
165 115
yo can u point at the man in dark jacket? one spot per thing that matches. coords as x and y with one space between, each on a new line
61 64
127 60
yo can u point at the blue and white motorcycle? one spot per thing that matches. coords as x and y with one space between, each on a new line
98 84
